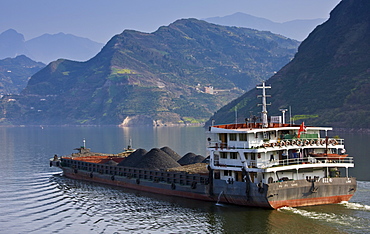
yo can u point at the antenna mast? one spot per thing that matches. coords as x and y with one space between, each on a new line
264 104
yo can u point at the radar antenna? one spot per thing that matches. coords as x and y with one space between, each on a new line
264 104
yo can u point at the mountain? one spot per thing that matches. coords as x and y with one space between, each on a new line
328 81
181 73
15 73
295 29
48 47
11 44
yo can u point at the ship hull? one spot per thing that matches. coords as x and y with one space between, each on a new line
198 192
271 196
308 193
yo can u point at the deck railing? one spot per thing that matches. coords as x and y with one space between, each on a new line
288 143
308 160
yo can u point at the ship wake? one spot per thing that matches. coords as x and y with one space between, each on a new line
343 221
356 206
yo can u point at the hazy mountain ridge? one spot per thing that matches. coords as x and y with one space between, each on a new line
47 47
295 29
329 78
161 75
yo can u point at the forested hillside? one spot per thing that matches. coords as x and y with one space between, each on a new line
15 72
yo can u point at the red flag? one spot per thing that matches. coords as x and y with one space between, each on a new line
302 128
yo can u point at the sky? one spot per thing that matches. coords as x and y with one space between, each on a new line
100 20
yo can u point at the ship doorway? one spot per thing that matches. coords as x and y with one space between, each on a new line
223 139
238 176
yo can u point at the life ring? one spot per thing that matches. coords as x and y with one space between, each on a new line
194 185
334 142
283 143
288 143
299 142
312 142
173 186
137 181
323 141
318 142
266 145
294 142
306 142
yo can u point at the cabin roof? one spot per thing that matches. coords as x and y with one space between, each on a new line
257 127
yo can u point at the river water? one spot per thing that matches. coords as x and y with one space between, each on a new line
35 198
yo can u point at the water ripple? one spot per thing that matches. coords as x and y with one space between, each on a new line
49 202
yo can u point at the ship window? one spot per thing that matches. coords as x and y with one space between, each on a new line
227 173
232 136
253 156
223 155
233 155
242 137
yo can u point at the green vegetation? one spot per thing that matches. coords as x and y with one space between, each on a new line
121 71
302 117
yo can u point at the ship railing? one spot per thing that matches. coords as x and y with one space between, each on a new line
297 142
310 141
306 160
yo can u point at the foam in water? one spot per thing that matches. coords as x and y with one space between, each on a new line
328 217
355 206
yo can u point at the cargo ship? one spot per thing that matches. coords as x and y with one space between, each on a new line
266 163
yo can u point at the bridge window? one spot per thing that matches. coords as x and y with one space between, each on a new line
233 155
223 155
242 137
232 136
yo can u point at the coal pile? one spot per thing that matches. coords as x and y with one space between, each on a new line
190 158
157 159
133 159
171 153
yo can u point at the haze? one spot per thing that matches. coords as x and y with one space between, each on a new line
100 20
